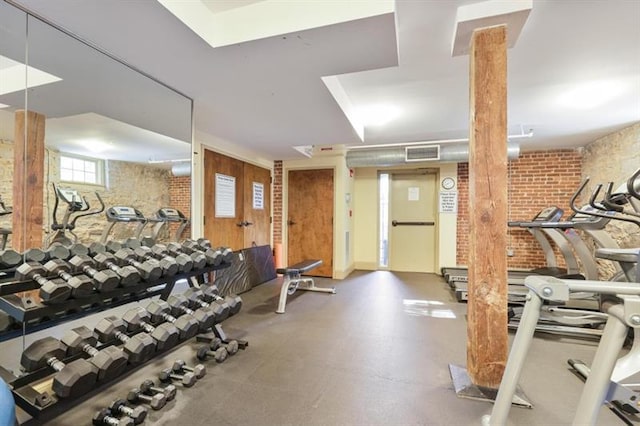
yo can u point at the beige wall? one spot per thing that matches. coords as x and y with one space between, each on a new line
141 186
614 158
366 217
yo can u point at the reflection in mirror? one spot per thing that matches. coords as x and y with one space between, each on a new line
111 135
13 73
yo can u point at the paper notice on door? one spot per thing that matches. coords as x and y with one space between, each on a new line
414 193
258 196
225 196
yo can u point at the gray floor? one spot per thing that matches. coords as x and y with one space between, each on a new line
377 352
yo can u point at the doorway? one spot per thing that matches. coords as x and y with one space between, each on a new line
410 222
237 202
310 218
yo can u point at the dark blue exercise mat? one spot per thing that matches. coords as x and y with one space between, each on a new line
250 267
261 265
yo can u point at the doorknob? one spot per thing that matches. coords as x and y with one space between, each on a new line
291 222
247 223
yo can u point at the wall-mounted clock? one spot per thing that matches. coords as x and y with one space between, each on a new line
448 183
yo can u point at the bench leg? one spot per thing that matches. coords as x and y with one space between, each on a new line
310 285
284 291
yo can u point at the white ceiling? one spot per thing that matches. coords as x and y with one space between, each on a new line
267 95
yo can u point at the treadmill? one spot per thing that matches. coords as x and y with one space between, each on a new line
572 247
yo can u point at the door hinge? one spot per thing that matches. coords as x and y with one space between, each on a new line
270 179
204 220
270 219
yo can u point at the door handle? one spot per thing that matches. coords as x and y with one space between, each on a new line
240 225
398 223
290 222
247 223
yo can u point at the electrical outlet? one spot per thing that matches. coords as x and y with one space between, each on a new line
509 252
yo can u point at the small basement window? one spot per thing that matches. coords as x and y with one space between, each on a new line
81 170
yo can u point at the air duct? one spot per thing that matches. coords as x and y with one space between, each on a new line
181 169
397 155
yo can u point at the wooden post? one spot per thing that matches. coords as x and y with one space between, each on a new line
487 337
28 180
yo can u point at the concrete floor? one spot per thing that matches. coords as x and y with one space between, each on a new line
377 352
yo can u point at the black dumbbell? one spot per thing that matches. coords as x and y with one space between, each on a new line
129 276
57 251
196 300
231 346
212 257
185 263
219 355
166 334
160 310
9 258
105 280
156 401
139 347
150 270
81 285
138 414
149 387
198 261
167 263
199 370
73 379
110 361
105 417
211 293
180 305
187 379
50 292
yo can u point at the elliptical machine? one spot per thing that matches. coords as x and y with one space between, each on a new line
4 232
77 207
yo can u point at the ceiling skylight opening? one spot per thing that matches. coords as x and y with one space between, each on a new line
379 114
13 77
591 95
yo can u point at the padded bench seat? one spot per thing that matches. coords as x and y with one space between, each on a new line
294 281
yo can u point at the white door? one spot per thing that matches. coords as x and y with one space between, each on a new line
412 213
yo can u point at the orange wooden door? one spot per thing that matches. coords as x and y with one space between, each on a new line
223 200
257 205
310 218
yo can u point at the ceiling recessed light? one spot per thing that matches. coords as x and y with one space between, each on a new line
591 94
378 115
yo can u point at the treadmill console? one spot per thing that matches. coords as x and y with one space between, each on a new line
124 214
170 215
549 214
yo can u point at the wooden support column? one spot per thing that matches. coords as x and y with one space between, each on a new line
487 337
28 180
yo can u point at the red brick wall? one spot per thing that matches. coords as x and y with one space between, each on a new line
277 202
537 179
180 198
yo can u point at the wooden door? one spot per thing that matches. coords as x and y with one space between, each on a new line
412 239
310 218
257 205
222 225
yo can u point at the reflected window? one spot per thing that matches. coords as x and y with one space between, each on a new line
81 170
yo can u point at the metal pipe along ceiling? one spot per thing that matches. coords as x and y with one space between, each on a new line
383 157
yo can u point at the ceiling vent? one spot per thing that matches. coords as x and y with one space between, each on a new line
422 153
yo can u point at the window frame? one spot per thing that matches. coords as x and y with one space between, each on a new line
99 167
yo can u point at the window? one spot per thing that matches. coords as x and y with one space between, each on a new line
81 170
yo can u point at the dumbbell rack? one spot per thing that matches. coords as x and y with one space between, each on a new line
32 392
35 315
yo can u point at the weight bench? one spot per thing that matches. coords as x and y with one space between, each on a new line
293 281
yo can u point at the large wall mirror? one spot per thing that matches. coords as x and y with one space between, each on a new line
108 129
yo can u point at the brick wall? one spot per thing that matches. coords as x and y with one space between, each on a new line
277 202
180 198
537 179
